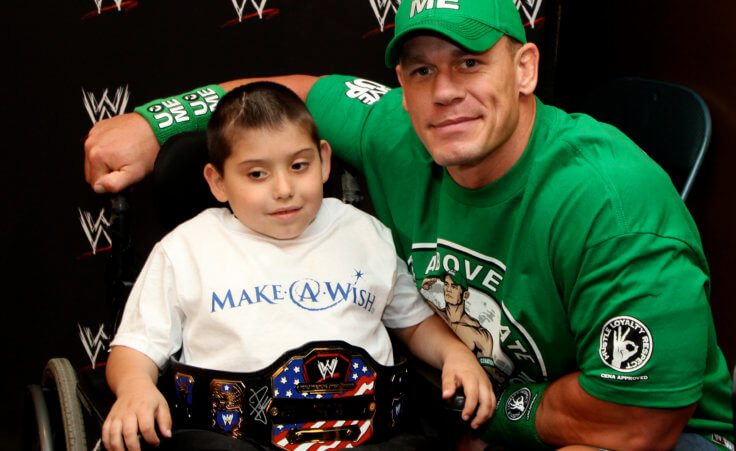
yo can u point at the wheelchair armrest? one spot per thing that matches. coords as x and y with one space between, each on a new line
94 394
434 377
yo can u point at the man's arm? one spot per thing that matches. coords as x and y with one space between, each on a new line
568 415
121 150
434 342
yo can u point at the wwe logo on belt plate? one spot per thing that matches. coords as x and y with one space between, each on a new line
227 405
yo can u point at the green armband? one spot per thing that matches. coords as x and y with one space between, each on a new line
185 112
513 422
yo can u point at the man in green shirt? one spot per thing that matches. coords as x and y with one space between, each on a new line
577 252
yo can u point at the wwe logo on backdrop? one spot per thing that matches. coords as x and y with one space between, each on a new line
530 8
240 6
93 344
118 4
94 229
381 8
105 107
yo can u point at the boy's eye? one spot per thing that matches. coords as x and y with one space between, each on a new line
300 166
256 175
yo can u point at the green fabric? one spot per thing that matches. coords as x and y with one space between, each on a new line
184 112
514 419
582 249
473 24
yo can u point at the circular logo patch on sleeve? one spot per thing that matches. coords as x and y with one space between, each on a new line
626 344
517 404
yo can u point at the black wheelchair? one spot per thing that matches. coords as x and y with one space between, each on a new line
67 408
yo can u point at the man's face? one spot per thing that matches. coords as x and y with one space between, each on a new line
464 106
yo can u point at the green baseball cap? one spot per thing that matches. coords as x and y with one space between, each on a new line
473 24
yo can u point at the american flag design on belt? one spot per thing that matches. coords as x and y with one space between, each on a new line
281 441
293 374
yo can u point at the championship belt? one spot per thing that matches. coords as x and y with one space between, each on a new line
325 392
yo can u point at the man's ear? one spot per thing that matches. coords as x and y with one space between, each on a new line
401 83
325 153
527 65
214 180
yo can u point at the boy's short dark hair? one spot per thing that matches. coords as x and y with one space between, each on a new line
255 105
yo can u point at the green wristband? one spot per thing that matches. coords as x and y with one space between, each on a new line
513 422
181 113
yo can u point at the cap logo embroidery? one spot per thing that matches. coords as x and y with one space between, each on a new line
418 6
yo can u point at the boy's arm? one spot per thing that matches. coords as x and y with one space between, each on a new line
132 377
121 150
434 342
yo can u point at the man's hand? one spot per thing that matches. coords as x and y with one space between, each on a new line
139 407
119 151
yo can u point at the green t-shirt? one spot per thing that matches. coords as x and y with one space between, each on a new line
581 257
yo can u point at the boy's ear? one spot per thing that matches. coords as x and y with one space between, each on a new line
214 179
325 153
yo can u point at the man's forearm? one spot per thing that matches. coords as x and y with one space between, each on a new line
568 415
300 84
121 150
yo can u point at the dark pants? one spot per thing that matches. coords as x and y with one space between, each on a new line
207 440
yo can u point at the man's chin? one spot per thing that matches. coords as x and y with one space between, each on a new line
454 153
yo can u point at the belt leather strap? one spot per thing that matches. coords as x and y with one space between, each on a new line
325 392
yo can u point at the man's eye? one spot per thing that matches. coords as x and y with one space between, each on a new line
470 62
421 71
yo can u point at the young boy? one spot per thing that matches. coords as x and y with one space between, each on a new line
235 289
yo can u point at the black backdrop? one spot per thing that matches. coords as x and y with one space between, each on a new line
70 64
56 53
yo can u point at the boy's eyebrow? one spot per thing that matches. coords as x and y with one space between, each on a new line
305 149
293 154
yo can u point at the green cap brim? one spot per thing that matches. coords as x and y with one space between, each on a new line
467 33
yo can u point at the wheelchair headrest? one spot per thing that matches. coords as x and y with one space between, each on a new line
180 190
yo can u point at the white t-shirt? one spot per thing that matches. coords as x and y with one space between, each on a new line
235 300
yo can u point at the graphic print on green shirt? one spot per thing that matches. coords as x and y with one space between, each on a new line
461 286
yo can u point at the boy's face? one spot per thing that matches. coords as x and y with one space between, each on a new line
273 179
